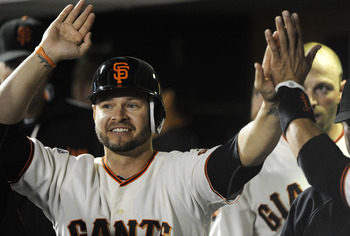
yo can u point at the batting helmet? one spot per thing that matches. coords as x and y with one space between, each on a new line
131 73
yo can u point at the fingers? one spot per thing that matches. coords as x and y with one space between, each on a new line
266 65
84 19
259 76
299 33
283 37
272 44
64 13
75 12
85 45
290 29
310 56
86 27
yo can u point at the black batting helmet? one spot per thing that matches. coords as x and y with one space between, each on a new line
131 73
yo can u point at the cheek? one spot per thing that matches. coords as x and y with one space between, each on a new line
100 118
329 101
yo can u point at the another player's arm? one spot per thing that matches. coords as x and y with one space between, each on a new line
321 160
257 139
67 37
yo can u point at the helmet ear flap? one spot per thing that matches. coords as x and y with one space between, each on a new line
156 125
151 114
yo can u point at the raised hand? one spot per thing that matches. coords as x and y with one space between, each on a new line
69 36
263 82
288 60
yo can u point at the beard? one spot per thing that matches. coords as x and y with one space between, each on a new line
122 147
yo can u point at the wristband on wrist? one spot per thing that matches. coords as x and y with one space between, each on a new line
294 104
40 51
289 84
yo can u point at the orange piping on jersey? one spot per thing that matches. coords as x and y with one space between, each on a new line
131 179
207 177
29 161
342 183
340 136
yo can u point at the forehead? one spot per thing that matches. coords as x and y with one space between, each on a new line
323 74
123 93
326 67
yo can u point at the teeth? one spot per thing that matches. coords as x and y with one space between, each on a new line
120 130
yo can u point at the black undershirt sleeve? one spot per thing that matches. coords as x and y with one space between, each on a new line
323 164
15 151
225 171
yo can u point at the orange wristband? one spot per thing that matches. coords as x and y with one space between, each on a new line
40 51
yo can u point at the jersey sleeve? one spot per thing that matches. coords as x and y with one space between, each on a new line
236 219
226 172
47 178
16 151
298 216
325 167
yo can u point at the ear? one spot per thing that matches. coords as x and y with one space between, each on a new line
341 89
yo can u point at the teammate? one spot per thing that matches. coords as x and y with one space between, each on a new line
132 189
320 210
315 212
48 113
265 202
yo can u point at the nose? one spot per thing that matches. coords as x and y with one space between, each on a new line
119 114
312 99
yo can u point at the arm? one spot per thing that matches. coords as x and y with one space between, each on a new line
304 137
253 149
68 37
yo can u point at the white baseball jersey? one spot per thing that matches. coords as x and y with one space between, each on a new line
266 199
172 195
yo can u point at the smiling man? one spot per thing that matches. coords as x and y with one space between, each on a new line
133 189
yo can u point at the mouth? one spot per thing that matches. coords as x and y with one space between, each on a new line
317 116
120 130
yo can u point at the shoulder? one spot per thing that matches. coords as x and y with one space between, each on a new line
312 207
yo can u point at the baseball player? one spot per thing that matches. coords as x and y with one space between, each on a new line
319 209
267 198
132 189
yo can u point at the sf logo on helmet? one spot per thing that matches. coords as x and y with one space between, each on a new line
121 71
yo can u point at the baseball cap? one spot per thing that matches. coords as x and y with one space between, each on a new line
19 37
344 106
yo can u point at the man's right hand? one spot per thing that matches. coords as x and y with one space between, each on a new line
69 36
288 60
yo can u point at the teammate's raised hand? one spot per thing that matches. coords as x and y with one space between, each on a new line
69 36
288 60
263 82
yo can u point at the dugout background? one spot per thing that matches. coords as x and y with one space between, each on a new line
207 50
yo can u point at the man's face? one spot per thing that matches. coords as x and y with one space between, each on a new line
322 86
122 122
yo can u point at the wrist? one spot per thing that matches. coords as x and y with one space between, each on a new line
294 104
44 57
289 84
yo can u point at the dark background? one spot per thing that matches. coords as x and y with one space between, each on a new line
206 50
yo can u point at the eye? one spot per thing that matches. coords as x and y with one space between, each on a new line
106 106
323 88
132 106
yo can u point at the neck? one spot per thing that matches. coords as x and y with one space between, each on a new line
130 163
335 131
